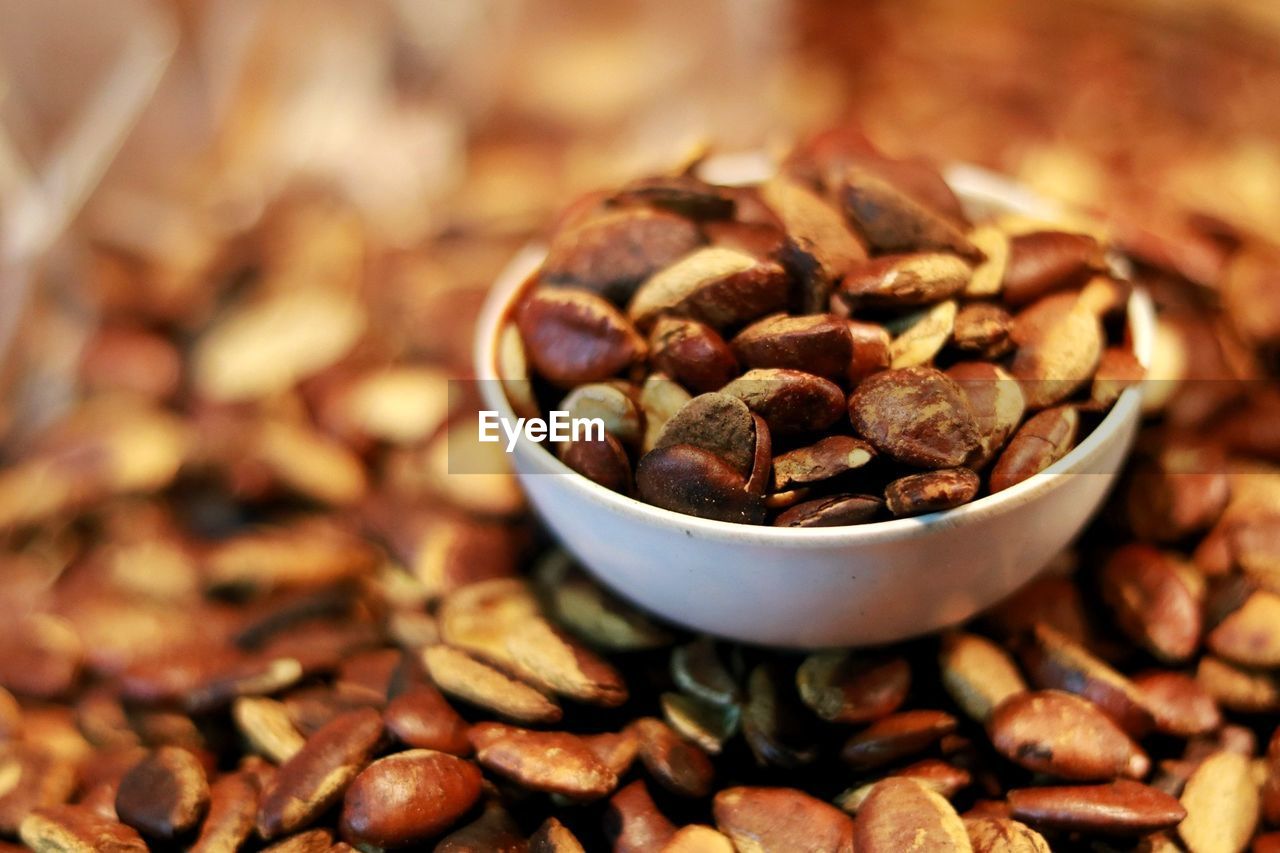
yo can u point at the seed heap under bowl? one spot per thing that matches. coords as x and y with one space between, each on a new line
836 345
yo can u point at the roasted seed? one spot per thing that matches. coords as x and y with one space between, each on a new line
1044 261
678 765
635 823
978 674
1178 703
892 221
693 481
922 335
1003 835
834 511
692 354
762 819
931 491
843 688
1063 735
77 829
815 343
1147 591
164 795
556 762
790 401
719 287
421 718
894 737
913 279
826 458
572 336
458 674
1057 355
407 797
1120 808
1222 804
718 423
915 415
983 329
1041 441
901 814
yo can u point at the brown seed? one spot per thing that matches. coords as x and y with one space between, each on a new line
77 829
613 403
40 656
843 688
819 241
693 481
983 329
634 822
1063 735
978 674
718 423
1222 803
931 491
493 832
1055 661
164 795
31 778
828 457
1041 441
1238 689
556 762
1250 636
944 779
407 797
901 814
763 819
682 194
892 221
1118 369
717 286
915 415
554 837
311 782
616 750
266 725
903 280
613 253
988 275
922 335
310 841
557 662
1179 704
698 839
1057 353
833 511
815 343
458 674
894 737
601 461
1044 261
676 764
1049 599
1121 808
421 718
233 804
790 401
1153 605
1179 491
590 612
572 336
871 354
1003 835
692 354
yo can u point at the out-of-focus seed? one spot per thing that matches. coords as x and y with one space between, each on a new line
1178 703
717 286
233 805
1222 805
931 491
164 795
901 814
1003 835
678 765
634 822
458 674
77 829
843 688
554 837
978 674
1152 602
1250 635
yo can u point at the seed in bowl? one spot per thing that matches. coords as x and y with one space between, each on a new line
838 344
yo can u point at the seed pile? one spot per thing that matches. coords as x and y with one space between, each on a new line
836 345
248 608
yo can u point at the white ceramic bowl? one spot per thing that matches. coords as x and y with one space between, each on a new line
837 586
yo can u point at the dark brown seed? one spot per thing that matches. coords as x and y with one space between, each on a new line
915 415
826 458
978 674
904 280
774 722
602 461
1121 808
77 829
790 401
983 329
895 737
931 491
556 762
762 463
408 797
692 354
814 343
1222 804
311 782
1044 261
717 286
844 688
871 343
554 837
1063 735
420 717
819 241
901 814
718 423
233 804
1042 440
780 819
634 822
834 511
1179 704
572 336
1177 492
612 254
1055 661
1270 792
682 194
693 481
1250 635
1153 605
892 221
164 795
616 750
1003 835
493 832
676 764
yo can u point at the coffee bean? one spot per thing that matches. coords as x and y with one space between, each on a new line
815 343
164 795
902 814
1038 443
844 688
835 511
915 415
1152 603
978 674
692 354
76 829
931 491
557 762
1043 261
827 458
719 287
1063 735
1003 835
759 819
1222 804
316 777
407 797
790 401
611 254
676 764
1122 808
897 736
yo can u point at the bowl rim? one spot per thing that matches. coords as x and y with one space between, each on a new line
975 186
